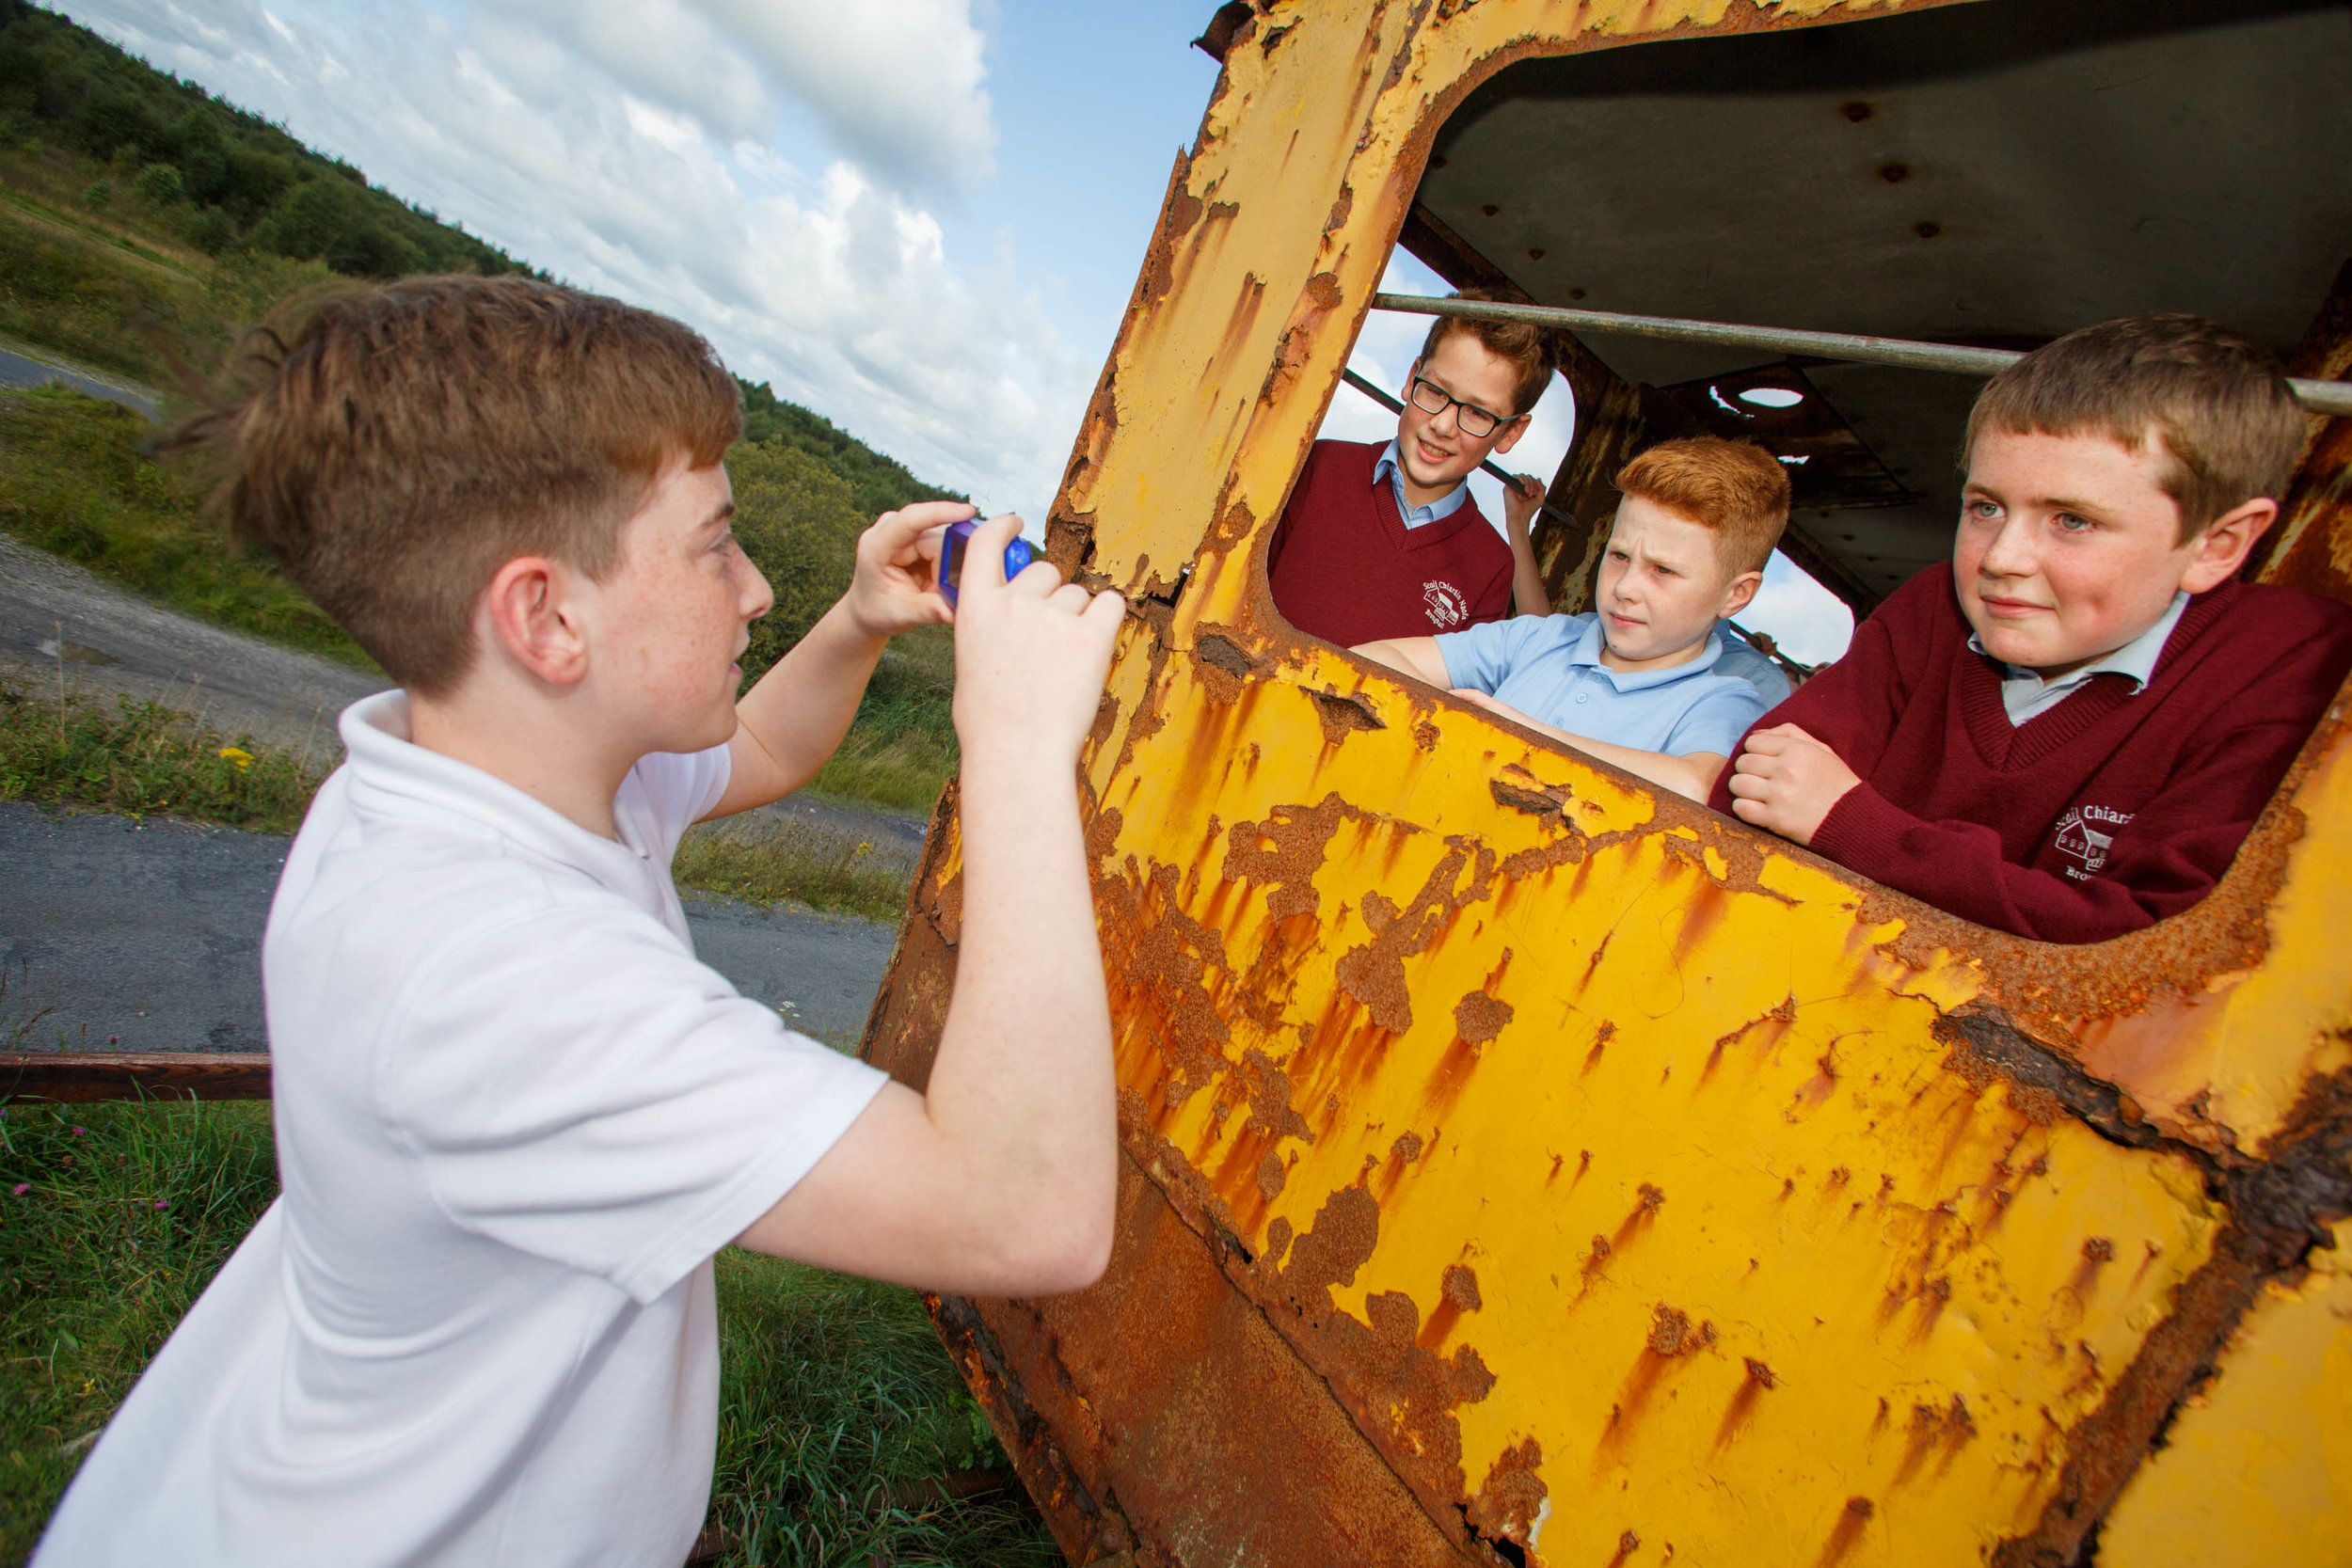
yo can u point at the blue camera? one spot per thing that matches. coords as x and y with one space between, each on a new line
951 552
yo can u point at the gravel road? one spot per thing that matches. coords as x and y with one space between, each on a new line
127 936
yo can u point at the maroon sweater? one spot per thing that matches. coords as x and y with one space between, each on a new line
2105 813
1344 567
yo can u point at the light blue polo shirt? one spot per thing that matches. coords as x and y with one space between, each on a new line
1548 667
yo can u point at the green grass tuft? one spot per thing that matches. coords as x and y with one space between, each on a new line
126 1212
141 757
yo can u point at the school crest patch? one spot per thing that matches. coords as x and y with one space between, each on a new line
2084 835
1447 608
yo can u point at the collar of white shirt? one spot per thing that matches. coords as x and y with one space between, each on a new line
392 775
2026 695
1444 506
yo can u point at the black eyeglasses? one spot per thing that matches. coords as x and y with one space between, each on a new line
1476 421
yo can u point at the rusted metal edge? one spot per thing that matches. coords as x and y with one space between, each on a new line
81 1077
2278 1208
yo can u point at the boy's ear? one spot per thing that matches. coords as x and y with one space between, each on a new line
1740 594
1511 433
530 623
2218 552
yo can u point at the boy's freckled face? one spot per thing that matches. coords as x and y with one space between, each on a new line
675 614
1662 586
1431 448
2068 547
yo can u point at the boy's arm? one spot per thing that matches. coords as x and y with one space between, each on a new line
2169 856
789 724
998 1179
1521 500
1417 657
1692 775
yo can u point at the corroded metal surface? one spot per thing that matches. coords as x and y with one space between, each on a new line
1523 1167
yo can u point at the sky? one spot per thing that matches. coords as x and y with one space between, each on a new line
921 218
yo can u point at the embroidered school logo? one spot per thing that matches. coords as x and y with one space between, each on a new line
2085 835
1447 608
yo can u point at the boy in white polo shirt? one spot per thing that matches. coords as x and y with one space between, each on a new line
1646 680
515 1117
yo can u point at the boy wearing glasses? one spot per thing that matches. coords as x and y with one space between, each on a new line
1388 542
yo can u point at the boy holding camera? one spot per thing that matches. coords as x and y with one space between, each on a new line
515 1117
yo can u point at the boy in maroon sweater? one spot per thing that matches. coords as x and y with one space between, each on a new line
2068 732
1383 543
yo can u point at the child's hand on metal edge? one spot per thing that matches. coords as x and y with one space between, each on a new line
895 587
1031 655
1785 781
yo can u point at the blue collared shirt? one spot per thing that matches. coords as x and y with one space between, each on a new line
1548 668
1444 506
2026 695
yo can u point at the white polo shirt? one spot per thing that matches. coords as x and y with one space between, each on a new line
516 1118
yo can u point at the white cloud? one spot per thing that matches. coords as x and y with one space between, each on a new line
590 141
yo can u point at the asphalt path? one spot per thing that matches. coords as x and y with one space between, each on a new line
147 936
24 370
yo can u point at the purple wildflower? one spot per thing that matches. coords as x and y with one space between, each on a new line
163 1203
19 1188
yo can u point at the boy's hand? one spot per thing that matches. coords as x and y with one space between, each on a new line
895 587
1785 781
1521 499
1030 655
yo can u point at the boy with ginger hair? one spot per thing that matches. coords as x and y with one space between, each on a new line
515 1117
1643 680
2067 733
1387 542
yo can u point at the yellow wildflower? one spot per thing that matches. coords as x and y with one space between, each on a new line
239 755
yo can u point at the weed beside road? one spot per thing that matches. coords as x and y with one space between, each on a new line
143 758
844 1433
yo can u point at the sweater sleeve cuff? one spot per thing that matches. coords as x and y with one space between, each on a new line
1864 831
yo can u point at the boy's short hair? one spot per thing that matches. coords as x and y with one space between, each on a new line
392 446
1735 488
1531 351
2231 428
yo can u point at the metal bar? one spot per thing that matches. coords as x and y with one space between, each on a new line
77 1077
1510 481
2320 397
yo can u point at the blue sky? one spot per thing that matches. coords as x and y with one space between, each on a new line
921 218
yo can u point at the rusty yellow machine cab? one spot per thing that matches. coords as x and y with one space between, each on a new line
1525 1168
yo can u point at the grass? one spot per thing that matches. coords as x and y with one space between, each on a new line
837 1403
902 750
142 758
766 862
75 480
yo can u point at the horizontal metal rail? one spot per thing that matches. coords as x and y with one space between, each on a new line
1389 403
2320 397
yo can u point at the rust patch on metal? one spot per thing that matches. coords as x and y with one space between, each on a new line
1169 1355
1672 1336
1167 953
1459 1286
1223 667
1601 1036
1852 1520
1341 715
1512 1495
1285 852
1425 736
1768 1031
1269 1090
1938 1432
1374 973
1406 1149
1479 1018
1534 797
1742 1409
